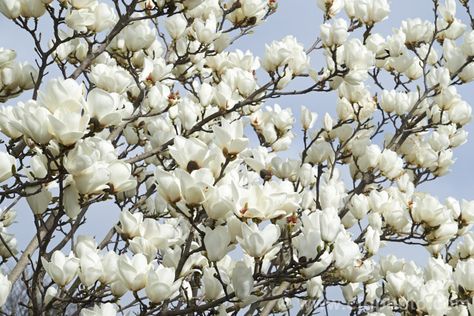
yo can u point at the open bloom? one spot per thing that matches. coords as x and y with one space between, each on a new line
120 176
285 52
68 123
229 137
463 274
103 106
33 121
58 92
161 284
130 224
367 11
168 186
334 34
345 251
89 163
256 242
90 268
190 154
133 272
195 186
330 7
176 25
61 269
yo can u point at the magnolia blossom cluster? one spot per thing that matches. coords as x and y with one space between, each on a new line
15 77
8 247
158 114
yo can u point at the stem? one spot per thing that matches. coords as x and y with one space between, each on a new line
30 249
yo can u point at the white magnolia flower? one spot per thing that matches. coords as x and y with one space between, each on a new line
242 280
195 186
90 268
82 4
157 97
107 309
330 223
7 166
8 247
144 246
60 91
89 164
429 210
80 20
32 9
92 180
216 242
468 44
33 121
256 242
345 251
133 272
161 284
334 34
10 8
367 11
212 287
285 52
135 37
5 288
8 121
110 78
130 224
396 283
308 242
104 18
190 154
161 235
330 7
38 198
121 178
221 201
249 10
71 198
314 286
463 274
437 269
307 118
417 31
68 123
176 25
104 106
372 240
110 274
50 294
60 268
229 137
390 164
168 186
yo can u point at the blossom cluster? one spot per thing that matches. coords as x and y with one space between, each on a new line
157 113
15 77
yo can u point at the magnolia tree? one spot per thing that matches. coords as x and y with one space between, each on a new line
148 104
